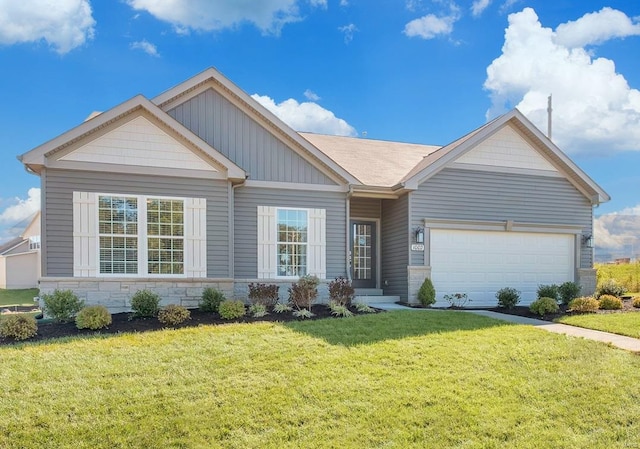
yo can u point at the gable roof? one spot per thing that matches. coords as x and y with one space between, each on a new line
436 161
180 93
38 157
372 162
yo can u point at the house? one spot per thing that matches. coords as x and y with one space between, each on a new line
20 258
202 186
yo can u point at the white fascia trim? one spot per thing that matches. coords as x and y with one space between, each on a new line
507 225
137 170
509 170
295 186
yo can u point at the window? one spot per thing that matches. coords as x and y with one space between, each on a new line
292 242
34 242
137 235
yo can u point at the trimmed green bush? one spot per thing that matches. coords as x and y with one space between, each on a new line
211 299
427 293
258 310
610 302
341 291
145 303
636 302
508 297
544 306
609 287
568 291
584 304
93 317
548 291
173 314
18 327
230 309
62 305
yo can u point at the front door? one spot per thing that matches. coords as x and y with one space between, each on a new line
363 254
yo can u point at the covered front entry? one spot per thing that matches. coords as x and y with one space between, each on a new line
363 254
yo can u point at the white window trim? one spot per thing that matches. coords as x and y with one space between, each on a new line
306 244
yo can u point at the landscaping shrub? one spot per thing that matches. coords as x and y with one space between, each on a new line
303 313
93 317
341 291
609 287
145 303
62 305
456 299
548 291
363 308
266 294
258 310
636 302
339 309
304 292
584 304
544 306
282 307
508 297
427 293
173 314
610 302
231 309
18 327
568 291
211 299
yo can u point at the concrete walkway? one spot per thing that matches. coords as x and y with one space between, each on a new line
619 341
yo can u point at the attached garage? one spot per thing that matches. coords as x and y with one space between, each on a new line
479 263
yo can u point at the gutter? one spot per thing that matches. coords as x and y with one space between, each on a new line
348 233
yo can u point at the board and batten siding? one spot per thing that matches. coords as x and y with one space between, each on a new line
246 202
365 208
395 246
249 145
459 194
58 203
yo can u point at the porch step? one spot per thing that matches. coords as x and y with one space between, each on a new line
376 299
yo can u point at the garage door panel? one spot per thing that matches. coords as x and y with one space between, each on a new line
480 263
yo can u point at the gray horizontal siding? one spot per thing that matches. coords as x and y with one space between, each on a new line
59 188
395 246
480 195
246 202
365 208
233 133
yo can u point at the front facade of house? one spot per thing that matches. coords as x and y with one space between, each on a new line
202 186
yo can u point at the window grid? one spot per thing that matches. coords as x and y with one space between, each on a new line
292 225
34 242
118 234
362 247
165 236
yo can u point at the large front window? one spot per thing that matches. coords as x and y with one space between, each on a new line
129 224
292 225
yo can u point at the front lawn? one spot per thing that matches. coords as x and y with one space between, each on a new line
394 380
17 297
627 323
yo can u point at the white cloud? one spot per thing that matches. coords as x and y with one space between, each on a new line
63 24
21 208
617 235
595 28
430 26
594 109
311 95
146 47
348 31
205 15
306 116
344 2
479 6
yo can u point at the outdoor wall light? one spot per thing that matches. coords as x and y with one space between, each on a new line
419 235
587 240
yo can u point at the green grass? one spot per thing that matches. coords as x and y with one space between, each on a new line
394 380
627 323
17 297
627 275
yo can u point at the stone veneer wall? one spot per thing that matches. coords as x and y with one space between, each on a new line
116 293
416 275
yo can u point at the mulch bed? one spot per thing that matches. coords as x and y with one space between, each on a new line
122 322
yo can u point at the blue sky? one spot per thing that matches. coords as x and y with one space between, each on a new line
424 71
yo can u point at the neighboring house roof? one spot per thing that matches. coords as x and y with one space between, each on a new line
41 156
183 91
372 162
10 245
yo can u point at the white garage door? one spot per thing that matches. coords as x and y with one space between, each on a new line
480 263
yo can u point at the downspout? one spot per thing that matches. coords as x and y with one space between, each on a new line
348 233
232 219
